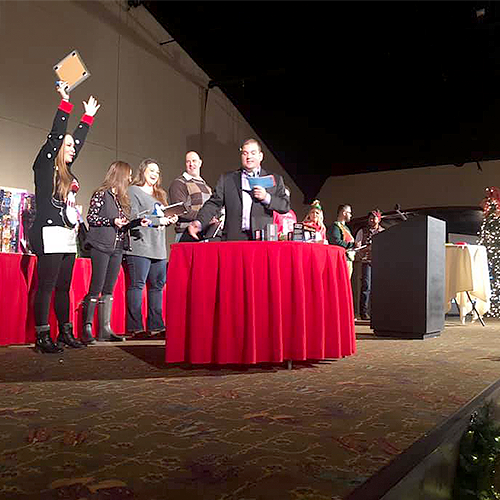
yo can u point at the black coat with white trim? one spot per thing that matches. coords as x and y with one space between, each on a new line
49 210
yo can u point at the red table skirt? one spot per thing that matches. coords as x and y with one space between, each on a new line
18 282
251 302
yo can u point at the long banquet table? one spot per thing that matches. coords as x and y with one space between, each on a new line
251 302
18 280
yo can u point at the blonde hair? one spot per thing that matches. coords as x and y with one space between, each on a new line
315 206
140 179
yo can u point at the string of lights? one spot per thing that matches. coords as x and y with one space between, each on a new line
489 236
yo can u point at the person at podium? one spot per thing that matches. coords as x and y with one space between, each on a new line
247 210
364 239
339 234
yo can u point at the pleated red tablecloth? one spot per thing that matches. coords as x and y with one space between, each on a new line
18 283
251 302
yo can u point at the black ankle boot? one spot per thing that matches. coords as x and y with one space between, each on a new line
89 305
105 331
44 341
66 337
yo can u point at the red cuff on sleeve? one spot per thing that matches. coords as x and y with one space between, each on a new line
65 106
87 119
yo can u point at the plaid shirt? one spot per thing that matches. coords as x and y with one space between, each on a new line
193 193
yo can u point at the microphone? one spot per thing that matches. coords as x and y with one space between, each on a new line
397 207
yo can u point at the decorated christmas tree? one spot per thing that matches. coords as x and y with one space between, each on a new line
489 236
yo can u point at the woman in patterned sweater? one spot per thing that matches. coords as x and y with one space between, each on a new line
108 237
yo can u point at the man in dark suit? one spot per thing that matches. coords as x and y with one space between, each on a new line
247 210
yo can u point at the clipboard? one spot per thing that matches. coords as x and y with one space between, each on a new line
72 70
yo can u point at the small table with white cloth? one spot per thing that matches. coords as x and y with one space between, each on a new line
467 280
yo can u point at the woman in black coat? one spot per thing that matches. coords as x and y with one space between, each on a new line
107 238
53 233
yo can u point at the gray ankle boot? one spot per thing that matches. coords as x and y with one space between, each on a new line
105 332
89 305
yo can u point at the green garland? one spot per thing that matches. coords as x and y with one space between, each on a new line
478 455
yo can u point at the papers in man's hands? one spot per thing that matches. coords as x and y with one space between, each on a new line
266 182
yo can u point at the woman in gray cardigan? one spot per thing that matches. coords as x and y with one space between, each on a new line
147 257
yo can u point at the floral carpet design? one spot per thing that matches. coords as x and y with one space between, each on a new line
114 422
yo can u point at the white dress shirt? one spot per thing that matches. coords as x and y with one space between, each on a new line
247 199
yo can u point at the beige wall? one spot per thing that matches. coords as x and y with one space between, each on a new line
152 100
152 96
413 188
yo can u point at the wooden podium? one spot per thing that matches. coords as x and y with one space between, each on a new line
408 279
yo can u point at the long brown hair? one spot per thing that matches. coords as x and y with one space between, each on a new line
118 178
140 179
62 176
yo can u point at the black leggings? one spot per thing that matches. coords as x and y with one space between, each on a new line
105 270
55 270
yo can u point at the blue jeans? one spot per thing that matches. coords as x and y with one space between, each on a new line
154 271
366 287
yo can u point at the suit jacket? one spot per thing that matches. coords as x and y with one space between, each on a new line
228 194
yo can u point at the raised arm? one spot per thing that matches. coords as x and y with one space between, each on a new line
49 150
80 134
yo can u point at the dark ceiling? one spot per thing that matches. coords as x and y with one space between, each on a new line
335 88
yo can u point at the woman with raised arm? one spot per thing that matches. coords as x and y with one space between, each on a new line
53 233
108 237
147 258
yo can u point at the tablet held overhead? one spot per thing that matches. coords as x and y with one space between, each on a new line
71 69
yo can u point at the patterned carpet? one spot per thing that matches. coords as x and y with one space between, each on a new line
113 422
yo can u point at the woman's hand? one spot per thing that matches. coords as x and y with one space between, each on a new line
120 222
145 222
91 106
166 221
61 88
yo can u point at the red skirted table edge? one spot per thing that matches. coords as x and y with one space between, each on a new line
18 282
253 302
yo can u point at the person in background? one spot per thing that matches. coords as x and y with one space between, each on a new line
147 257
285 222
192 190
107 238
53 233
247 210
340 234
364 239
314 220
